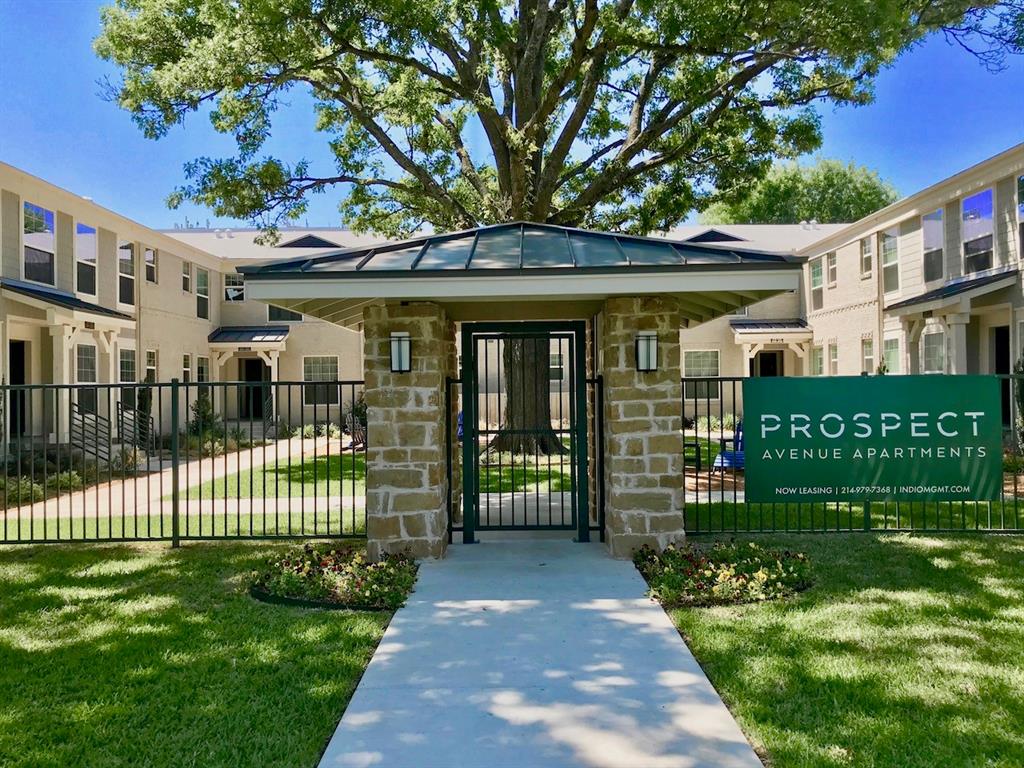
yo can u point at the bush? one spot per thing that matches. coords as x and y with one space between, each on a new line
128 459
328 429
721 575
306 432
64 481
716 423
358 410
205 420
20 490
341 576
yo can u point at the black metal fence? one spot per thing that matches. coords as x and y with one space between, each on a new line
715 502
179 461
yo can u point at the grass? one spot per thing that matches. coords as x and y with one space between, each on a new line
147 656
906 652
302 476
528 474
708 450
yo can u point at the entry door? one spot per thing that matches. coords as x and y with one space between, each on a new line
769 363
19 375
255 373
524 442
1001 364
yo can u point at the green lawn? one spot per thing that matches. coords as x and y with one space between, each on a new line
336 475
147 656
907 651
526 474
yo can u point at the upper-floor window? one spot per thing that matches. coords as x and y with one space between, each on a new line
186 276
891 355
701 364
833 359
281 315
234 287
202 293
867 256
887 247
934 236
1020 216
126 272
817 291
151 265
976 232
832 268
867 355
39 244
933 352
85 259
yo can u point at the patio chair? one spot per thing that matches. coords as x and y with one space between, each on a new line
357 431
731 459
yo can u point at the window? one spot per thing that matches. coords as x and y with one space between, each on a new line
867 256
867 355
40 244
234 287
1020 216
85 259
740 312
126 272
151 365
202 369
977 232
891 355
833 359
150 258
555 369
700 363
186 368
934 347
320 368
888 241
817 294
126 375
186 277
203 293
934 236
280 315
833 268
817 361
85 373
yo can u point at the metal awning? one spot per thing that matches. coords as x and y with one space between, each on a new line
753 331
65 306
255 337
503 268
955 291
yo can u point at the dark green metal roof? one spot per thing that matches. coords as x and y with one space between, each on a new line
955 287
513 247
59 298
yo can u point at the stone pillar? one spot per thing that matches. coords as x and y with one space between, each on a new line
643 427
406 468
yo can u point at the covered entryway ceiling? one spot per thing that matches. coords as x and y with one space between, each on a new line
523 270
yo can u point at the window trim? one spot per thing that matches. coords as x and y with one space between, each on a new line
941 250
288 320
899 354
186 276
155 264
155 367
122 275
53 253
831 270
992 233
201 297
186 367
817 350
199 368
895 230
232 276
867 340
870 242
935 331
833 358
818 264
717 394
305 381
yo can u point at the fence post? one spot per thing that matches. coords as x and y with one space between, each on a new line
175 456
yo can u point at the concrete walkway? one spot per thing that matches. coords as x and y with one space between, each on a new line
534 654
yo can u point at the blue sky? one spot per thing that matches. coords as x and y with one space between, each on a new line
936 112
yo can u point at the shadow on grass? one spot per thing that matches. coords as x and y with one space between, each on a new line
906 652
143 655
302 476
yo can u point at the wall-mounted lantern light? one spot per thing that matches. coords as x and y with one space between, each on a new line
647 351
401 352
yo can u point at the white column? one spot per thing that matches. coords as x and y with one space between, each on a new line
62 337
957 325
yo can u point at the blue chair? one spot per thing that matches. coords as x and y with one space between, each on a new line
731 459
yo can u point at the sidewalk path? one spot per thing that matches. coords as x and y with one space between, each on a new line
534 654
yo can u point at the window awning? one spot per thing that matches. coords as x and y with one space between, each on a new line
956 291
64 307
503 268
250 336
751 331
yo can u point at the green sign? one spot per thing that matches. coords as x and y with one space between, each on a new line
873 438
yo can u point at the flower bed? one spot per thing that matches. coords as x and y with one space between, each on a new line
722 574
340 577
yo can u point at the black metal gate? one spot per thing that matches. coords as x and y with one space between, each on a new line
524 428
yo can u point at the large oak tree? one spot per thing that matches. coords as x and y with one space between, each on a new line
611 114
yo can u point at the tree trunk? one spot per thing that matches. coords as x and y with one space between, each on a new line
527 418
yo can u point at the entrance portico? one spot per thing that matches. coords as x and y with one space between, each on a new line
627 293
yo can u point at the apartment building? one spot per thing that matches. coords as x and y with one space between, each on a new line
89 296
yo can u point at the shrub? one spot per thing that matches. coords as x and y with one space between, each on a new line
128 459
721 575
716 423
358 410
204 419
64 481
306 432
20 490
343 576
328 429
